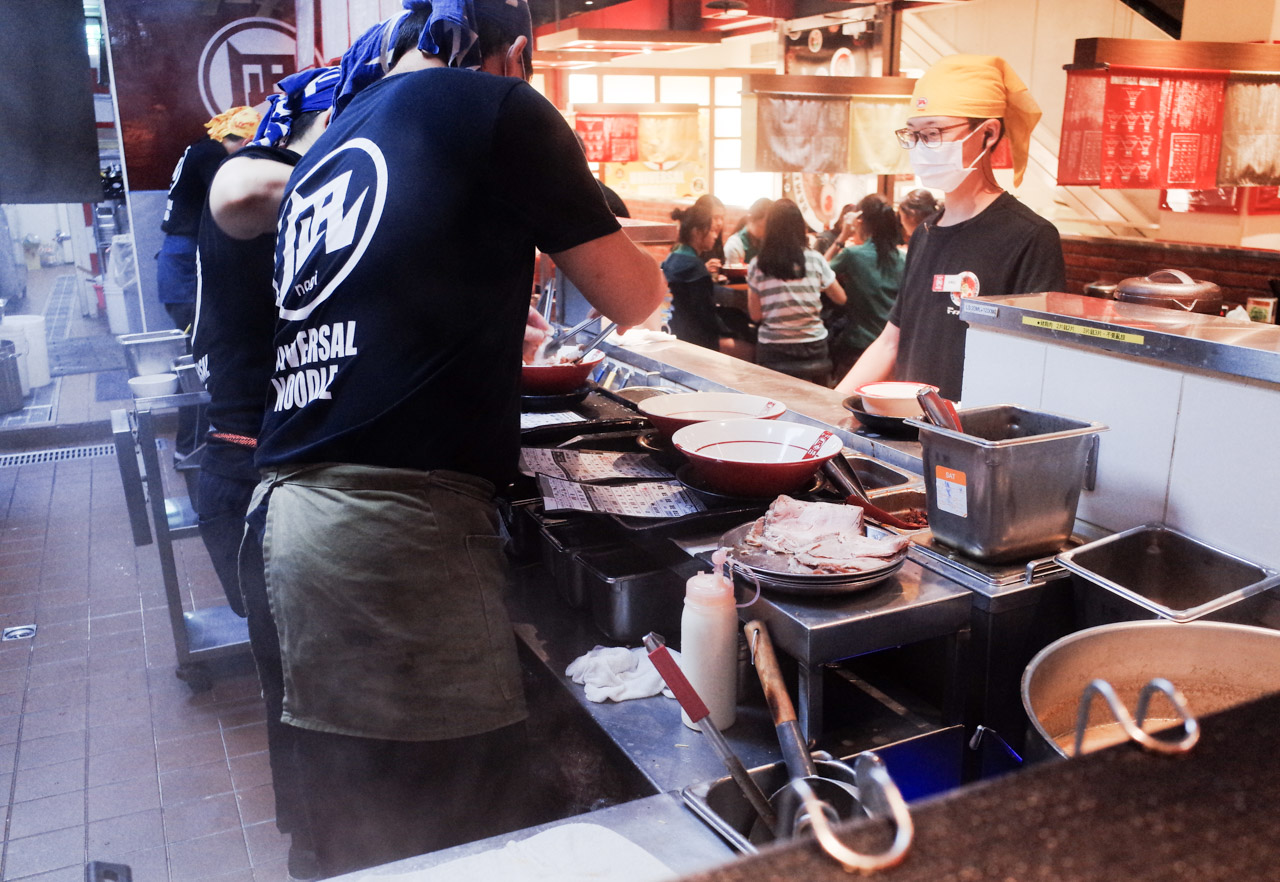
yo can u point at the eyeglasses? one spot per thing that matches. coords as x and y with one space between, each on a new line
928 137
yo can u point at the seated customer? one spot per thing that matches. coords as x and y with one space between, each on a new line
743 246
692 316
786 283
869 268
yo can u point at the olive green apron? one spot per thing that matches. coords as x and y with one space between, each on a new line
387 589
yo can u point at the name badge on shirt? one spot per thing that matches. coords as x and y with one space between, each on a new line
959 285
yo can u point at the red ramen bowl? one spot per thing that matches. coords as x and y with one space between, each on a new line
670 413
558 379
755 457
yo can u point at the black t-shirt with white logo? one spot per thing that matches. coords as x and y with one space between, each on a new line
404 266
1005 249
236 316
189 187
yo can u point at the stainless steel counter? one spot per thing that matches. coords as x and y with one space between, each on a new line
1168 336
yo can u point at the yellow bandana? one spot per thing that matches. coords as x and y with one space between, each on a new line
980 86
239 121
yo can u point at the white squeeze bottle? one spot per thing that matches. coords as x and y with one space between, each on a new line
709 643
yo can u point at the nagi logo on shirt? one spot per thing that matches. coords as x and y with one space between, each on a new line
332 215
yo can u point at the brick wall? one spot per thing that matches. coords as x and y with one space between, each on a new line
1240 272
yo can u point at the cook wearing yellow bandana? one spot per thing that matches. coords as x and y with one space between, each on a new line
959 111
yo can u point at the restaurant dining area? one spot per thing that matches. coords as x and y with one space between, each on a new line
883 487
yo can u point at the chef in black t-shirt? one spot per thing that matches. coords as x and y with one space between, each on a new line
235 319
188 191
985 242
393 415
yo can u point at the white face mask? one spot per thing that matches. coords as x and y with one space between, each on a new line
942 167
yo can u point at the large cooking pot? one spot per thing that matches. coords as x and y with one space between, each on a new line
1215 665
1172 289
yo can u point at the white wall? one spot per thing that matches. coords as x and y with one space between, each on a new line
1165 457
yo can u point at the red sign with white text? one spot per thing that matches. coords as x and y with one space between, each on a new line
1140 128
609 137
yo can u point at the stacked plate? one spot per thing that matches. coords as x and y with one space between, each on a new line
770 570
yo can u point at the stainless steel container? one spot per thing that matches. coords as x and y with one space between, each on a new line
561 542
631 594
1154 571
153 352
1007 487
1215 665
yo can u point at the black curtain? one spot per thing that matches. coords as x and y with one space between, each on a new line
48 140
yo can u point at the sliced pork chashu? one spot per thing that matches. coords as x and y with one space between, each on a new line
821 537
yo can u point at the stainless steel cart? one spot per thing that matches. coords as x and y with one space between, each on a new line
200 635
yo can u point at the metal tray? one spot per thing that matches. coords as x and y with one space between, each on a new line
1168 573
760 567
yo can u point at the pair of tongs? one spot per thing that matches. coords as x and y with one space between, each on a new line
848 484
559 335
940 411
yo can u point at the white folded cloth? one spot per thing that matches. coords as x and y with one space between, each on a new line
617 673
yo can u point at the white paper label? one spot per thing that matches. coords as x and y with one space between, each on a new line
952 491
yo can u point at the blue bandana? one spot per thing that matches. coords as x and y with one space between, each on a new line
300 93
450 34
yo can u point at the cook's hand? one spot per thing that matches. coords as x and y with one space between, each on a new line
536 329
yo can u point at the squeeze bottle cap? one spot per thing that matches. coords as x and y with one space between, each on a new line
710 589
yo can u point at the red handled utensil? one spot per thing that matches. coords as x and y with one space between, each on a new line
846 481
940 411
698 713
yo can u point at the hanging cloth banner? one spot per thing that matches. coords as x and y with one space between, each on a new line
1142 128
609 137
873 149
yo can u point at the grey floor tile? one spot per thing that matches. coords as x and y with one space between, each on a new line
195 783
44 852
121 765
201 817
208 856
126 833
49 780
46 814
122 798
54 722
36 752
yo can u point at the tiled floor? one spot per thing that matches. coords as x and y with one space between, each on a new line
104 754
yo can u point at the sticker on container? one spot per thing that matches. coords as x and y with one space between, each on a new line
952 492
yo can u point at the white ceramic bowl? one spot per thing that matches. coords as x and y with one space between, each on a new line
670 413
892 398
151 385
755 457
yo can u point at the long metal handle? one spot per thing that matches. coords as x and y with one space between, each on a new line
795 751
595 341
1132 727
881 798
697 710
